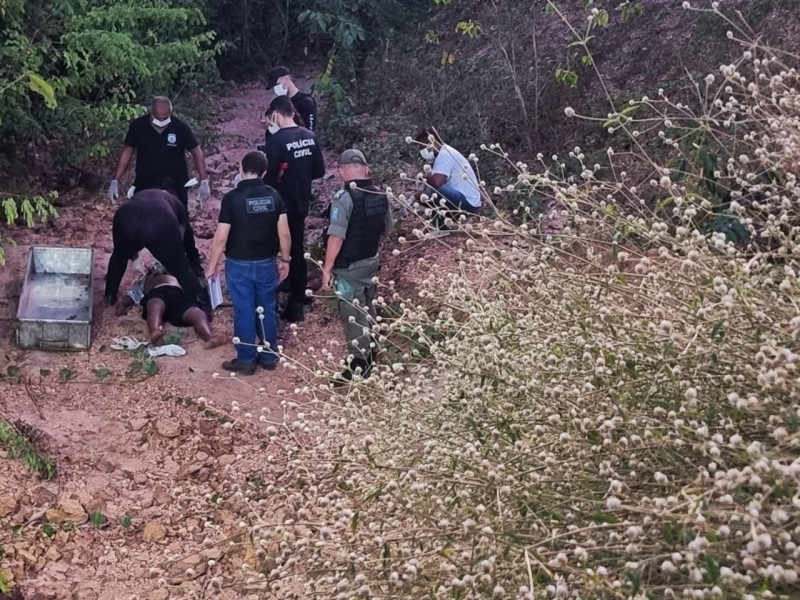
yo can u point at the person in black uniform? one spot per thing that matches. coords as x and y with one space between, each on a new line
160 142
154 219
359 216
294 159
280 81
254 234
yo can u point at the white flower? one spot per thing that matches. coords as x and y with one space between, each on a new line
569 111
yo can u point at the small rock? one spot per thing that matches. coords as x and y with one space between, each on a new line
52 554
137 424
202 456
8 504
226 459
207 427
84 594
159 594
168 429
154 532
68 511
26 556
212 553
171 467
105 465
140 478
95 505
47 493
190 469
188 568
146 499
161 495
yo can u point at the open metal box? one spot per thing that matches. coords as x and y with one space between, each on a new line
55 307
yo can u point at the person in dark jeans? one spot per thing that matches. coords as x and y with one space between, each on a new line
253 232
294 159
161 141
153 219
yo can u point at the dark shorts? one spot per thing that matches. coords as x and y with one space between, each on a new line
178 301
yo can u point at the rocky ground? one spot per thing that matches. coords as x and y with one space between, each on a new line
160 464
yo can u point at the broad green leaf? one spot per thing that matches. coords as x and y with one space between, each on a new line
44 89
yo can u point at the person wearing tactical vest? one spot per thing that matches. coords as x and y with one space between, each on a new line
359 216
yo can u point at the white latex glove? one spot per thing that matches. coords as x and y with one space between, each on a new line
205 191
237 179
113 190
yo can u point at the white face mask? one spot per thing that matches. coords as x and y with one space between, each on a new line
273 128
427 154
280 90
163 123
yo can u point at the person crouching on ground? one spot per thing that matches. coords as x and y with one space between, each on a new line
359 216
163 299
451 177
253 231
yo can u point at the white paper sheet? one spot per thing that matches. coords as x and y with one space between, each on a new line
215 291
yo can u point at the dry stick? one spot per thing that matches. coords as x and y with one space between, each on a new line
33 401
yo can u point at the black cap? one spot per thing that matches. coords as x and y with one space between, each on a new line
353 157
275 74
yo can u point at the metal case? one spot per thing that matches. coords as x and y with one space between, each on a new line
55 306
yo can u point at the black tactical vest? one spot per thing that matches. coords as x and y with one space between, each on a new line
366 224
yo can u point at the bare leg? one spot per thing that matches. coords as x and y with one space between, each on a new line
199 321
155 318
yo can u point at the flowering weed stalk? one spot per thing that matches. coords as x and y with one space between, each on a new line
606 409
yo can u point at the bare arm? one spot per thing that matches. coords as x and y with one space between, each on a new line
124 161
285 239
284 236
436 180
217 248
199 162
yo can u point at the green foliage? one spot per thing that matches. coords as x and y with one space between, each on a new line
97 519
94 64
20 442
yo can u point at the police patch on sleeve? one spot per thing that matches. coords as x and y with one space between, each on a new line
260 205
334 213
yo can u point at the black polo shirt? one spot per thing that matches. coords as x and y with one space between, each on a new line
306 107
294 159
252 210
160 155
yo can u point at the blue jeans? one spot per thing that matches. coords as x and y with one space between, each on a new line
456 199
252 285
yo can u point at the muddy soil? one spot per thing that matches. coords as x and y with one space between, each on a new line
156 459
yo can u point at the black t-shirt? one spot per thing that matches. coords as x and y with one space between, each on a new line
307 107
294 159
160 155
252 210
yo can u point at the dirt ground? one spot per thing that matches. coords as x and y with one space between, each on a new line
150 468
